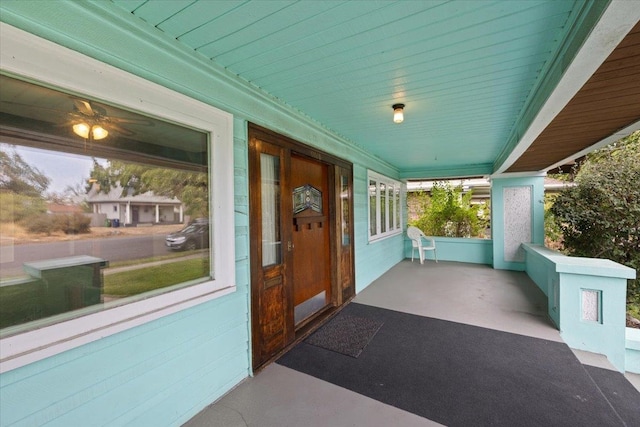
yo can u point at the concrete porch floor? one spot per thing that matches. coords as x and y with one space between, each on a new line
465 293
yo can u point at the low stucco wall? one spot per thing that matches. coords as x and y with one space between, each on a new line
475 251
587 299
632 351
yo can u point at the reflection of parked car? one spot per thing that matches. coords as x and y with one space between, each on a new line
193 236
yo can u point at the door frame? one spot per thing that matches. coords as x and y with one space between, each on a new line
341 256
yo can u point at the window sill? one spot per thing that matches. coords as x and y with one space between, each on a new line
384 236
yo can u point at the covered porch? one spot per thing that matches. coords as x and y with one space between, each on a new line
506 305
504 90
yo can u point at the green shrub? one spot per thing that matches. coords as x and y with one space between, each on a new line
75 223
600 216
41 223
449 213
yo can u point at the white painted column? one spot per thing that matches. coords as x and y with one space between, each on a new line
181 214
157 214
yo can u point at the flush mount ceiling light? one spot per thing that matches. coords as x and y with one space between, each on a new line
92 132
398 113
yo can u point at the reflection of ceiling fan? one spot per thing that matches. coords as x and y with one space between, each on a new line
90 121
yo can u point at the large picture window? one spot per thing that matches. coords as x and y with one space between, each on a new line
100 206
115 207
384 206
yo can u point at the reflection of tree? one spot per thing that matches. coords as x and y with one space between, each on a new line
19 177
71 195
191 188
21 188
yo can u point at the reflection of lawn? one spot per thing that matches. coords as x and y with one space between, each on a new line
25 300
145 279
125 263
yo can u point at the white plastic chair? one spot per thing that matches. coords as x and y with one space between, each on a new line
421 242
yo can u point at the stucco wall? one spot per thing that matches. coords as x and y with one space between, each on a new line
517 216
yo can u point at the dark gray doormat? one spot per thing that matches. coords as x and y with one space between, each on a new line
345 334
461 375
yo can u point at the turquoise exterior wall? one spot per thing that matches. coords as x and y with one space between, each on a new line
371 259
564 280
163 372
501 230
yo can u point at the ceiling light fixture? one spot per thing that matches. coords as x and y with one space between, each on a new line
92 132
398 113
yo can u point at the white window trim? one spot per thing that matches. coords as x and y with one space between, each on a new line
390 207
23 54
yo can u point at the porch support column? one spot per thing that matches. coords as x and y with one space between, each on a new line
157 213
181 214
517 216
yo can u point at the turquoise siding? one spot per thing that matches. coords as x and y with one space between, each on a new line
371 259
164 372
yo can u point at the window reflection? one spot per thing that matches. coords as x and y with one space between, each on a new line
99 219
344 202
270 183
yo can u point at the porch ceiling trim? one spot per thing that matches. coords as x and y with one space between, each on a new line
461 171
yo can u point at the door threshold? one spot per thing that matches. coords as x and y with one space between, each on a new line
304 329
317 316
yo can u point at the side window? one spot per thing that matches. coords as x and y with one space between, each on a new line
384 206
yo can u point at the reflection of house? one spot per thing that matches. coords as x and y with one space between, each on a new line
135 209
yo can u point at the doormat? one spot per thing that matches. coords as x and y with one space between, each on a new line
345 334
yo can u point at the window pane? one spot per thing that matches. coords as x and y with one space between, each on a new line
270 182
383 207
392 206
397 206
92 197
372 208
344 202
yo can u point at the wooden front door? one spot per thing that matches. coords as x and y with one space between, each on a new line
310 236
301 252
